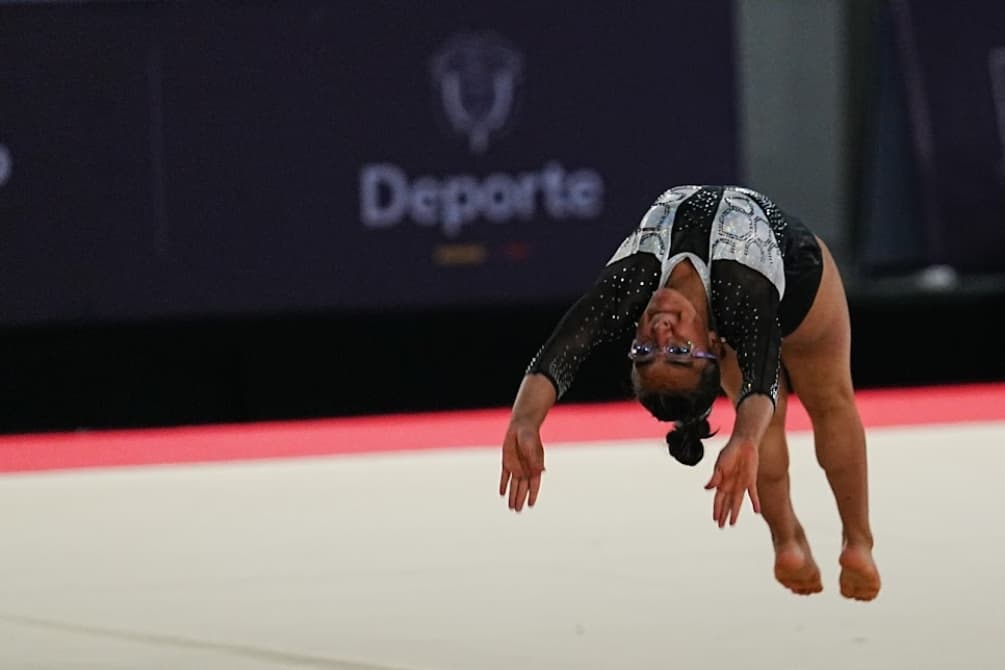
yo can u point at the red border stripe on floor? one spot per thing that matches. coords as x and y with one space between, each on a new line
409 432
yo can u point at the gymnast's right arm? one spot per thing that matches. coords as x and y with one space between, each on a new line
606 312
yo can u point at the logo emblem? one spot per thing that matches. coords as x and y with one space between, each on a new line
477 77
5 164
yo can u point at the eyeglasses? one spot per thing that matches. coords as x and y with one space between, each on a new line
643 352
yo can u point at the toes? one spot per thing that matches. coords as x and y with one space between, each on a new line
802 587
807 589
855 589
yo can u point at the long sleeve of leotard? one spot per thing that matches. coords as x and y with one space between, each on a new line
745 305
606 312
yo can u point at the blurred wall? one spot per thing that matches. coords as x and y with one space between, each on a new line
793 81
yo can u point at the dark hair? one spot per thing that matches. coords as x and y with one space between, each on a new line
688 410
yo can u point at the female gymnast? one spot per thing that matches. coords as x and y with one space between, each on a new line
723 290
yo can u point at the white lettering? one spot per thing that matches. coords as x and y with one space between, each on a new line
388 197
554 199
586 193
498 192
523 195
424 193
377 212
461 203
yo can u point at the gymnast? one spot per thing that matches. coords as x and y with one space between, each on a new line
720 290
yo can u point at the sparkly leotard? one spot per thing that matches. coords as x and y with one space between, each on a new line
760 266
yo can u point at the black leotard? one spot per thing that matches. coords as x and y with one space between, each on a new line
760 266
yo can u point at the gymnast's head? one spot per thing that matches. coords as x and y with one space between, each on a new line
675 371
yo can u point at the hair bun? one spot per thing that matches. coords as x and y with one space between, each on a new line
684 441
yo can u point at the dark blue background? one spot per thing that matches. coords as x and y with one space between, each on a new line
180 237
203 159
935 188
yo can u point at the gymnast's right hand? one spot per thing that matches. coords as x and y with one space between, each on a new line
522 464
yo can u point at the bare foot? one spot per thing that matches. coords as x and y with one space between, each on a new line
859 575
796 569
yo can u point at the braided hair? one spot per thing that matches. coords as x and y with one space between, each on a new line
689 411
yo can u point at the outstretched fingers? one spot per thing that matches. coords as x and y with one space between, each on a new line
522 491
755 501
729 501
718 505
735 504
522 488
715 480
535 488
726 504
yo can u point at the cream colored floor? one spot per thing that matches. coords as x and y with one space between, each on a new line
411 561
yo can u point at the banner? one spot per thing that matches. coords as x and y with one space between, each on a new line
208 159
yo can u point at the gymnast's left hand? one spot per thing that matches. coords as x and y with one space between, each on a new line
522 464
734 477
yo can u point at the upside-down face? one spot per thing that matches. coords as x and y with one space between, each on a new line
672 344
